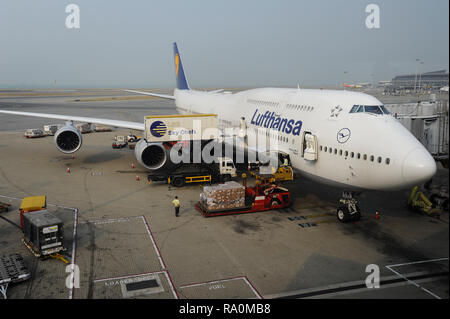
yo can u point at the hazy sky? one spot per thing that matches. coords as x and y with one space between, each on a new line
230 43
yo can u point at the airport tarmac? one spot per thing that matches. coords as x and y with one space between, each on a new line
127 243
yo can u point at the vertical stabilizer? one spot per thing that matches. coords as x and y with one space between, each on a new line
182 83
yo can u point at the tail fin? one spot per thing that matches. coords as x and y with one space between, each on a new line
182 83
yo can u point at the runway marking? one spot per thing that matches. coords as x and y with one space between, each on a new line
246 280
155 247
419 262
165 272
356 286
312 223
411 281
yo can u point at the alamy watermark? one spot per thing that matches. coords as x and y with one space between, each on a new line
73 279
373 279
206 146
73 19
373 19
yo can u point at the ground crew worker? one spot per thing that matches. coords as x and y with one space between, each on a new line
176 203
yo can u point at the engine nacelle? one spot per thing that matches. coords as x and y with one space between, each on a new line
152 156
68 139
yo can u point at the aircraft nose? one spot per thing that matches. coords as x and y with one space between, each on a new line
418 166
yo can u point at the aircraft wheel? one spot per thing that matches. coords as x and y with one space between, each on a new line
342 214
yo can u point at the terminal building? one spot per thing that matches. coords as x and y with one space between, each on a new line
426 81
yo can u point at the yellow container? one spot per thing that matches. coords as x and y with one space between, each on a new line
33 203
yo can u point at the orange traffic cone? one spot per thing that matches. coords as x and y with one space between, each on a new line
132 165
377 216
137 177
68 170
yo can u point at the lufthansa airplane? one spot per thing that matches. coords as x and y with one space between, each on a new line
336 137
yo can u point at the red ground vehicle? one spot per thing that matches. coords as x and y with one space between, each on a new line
259 198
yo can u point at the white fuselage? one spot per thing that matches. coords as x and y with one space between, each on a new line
375 152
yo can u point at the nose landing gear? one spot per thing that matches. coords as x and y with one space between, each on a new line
348 209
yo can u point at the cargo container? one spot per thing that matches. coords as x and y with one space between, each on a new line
84 128
51 129
34 132
43 233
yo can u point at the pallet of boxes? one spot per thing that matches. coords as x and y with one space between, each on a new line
222 197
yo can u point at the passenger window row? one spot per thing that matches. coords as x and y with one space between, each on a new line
263 103
300 107
281 138
364 157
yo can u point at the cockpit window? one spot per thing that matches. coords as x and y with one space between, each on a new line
385 110
354 108
373 109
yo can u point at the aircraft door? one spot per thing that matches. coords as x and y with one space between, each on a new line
309 147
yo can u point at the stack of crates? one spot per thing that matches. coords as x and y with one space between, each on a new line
43 233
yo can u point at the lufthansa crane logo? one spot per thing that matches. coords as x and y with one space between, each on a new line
158 129
177 63
343 135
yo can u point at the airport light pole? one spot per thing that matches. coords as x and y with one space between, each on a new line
345 72
420 76
415 78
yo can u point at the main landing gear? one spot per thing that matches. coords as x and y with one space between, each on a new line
348 209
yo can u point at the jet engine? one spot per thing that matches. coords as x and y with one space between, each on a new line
152 156
68 139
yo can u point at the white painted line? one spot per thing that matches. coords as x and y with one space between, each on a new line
225 280
155 247
161 261
74 248
210 282
165 272
110 221
129 276
418 262
169 280
9 197
415 263
253 288
3 289
414 283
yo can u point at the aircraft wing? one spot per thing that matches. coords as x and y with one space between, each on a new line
115 123
170 97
